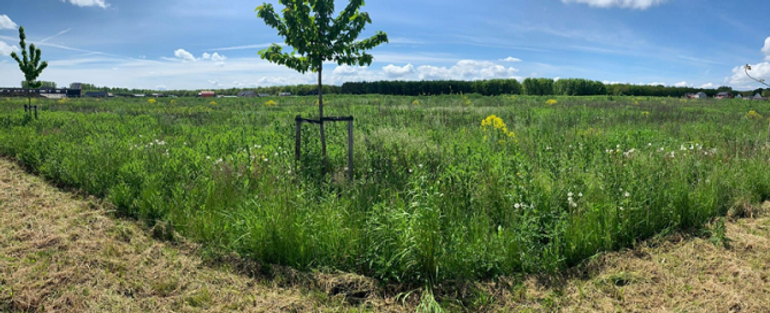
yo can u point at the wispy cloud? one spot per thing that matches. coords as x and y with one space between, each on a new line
632 4
57 35
89 3
6 49
6 23
246 47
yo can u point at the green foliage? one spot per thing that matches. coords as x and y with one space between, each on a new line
316 36
538 86
29 63
437 197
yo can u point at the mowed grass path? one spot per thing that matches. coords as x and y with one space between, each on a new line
59 253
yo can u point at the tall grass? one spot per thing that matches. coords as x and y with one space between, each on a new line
436 196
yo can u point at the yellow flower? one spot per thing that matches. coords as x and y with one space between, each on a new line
271 103
172 101
62 101
213 103
467 101
416 102
753 115
496 124
152 101
645 113
551 102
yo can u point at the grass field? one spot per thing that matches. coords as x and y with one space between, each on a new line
452 188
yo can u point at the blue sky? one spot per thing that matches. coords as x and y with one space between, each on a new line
197 44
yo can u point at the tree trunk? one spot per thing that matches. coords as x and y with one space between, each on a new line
321 118
29 98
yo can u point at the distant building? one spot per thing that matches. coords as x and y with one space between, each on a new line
263 95
98 94
139 95
284 94
701 95
247 94
207 94
724 95
758 97
739 96
158 95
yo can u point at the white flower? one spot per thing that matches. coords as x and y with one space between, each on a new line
627 195
573 204
276 154
580 195
569 195
517 206
420 165
265 159
208 157
621 208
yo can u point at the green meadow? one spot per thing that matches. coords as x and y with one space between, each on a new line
446 188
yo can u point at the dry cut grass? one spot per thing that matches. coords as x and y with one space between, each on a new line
63 254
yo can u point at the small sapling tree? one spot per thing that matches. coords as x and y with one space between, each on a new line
309 27
29 64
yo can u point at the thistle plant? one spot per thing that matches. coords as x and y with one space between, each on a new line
29 64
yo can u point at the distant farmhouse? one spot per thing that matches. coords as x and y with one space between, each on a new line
207 94
284 94
724 95
700 95
247 94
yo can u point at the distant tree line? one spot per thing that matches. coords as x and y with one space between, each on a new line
529 86
44 84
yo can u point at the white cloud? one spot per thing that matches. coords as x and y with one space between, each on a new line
5 49
758 71
88 3
466 70
633 4
766 49
510 59
706 86
655 84
184 55
680 84
160 87
216 57
394 71
346 70
6 23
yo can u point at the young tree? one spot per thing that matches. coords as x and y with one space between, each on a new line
316 36
29 64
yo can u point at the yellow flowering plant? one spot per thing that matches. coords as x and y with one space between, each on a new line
152 101
493 125
213 103
551 102
416 102
271 103
753 115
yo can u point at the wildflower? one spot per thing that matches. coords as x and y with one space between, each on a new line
569 195
645 113
621 208
213 103
152 101
271 103
580 195
627 195
416 102
517 206
551 102
753 115
420 165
